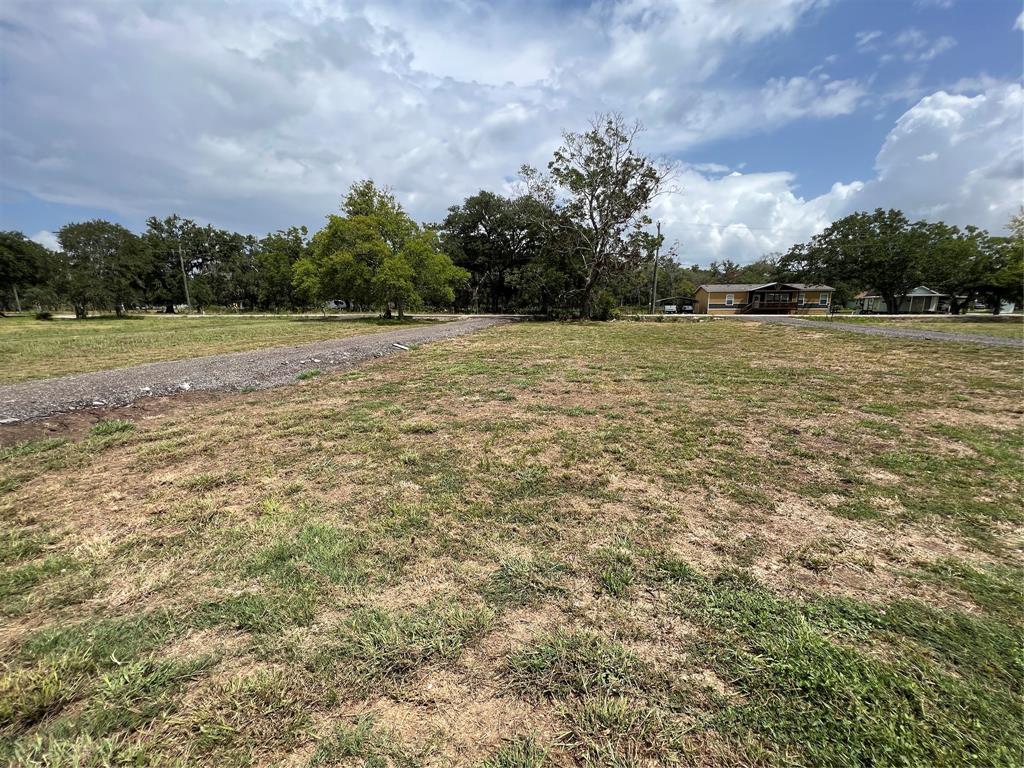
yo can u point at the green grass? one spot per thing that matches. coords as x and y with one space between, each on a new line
576 664
376 649
36 349
543 544
1008 326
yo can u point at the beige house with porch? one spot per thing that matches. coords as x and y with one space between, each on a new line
765 299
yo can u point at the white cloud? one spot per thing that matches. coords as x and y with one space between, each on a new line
1019 24
915 45
952 157
978 175
866 40
46 238
259 115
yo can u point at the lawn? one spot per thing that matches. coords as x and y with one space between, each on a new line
37 349
1008 326
544 544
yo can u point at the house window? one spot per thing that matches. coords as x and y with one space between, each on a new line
823 299
729 299
802 299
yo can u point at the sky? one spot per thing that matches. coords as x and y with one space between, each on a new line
779 116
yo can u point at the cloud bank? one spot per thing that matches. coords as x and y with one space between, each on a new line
259 115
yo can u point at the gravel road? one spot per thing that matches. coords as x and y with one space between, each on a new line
255 369
896 333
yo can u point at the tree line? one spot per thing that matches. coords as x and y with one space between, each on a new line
574 240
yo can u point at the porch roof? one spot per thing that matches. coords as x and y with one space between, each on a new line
747 287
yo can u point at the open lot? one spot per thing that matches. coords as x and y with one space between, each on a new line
623 544
1011 326
38 349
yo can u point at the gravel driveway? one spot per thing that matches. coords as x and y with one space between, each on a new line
896 333
254 369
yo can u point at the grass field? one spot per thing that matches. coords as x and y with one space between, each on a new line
38 349
544 544
985 325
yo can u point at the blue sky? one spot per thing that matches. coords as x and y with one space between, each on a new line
781 115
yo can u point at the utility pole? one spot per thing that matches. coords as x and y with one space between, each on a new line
654 282
184 275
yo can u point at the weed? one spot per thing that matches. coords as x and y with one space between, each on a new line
620 731
377 649
518 753
522 582
365 741
259 613
615 571
111 427
566 664
247 715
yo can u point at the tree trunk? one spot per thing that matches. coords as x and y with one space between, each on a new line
588 291
17 301
401 311
80 312
891 304
169 308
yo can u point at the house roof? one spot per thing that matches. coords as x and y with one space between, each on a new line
740 287
921 290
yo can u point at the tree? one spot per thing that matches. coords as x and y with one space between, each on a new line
962 264
393 284
493 237
1008 277
105 266
24 264
275 263
376 256
176 244
604 186
881 250
435 277
341 262
366 199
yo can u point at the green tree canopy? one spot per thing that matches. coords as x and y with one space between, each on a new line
604 186
105 266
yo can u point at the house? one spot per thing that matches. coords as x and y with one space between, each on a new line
921 300
765 299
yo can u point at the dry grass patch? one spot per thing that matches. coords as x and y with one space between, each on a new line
546 544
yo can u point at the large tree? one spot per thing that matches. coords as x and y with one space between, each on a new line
177 245
275 263
962 264
880 250
492 237
105 266
604 185
24 264
376 256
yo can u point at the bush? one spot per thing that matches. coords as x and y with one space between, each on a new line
605 306
44 315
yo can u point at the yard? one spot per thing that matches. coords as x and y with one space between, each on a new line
1007 326
545 544
37 349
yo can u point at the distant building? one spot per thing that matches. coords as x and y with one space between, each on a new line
922 300
763 299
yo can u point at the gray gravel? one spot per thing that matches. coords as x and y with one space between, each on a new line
896 333
255 369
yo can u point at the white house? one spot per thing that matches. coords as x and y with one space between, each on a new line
920 301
